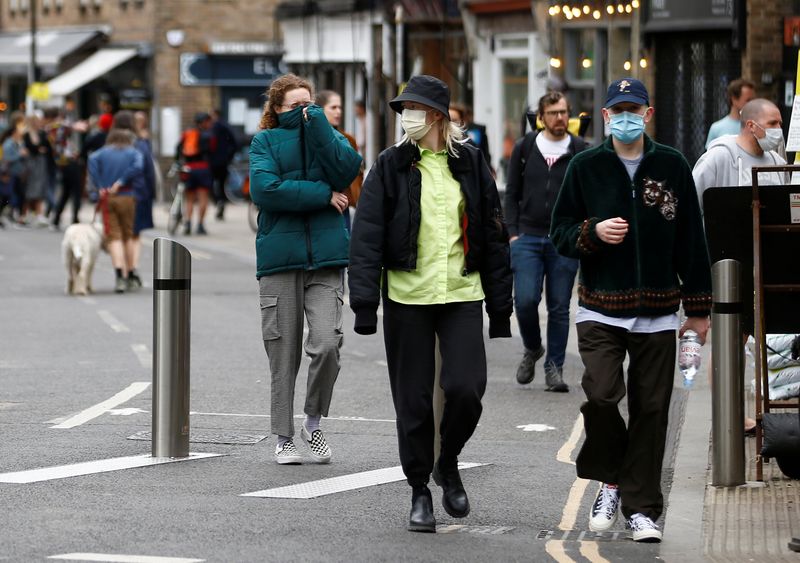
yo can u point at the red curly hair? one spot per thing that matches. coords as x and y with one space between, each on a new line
275 95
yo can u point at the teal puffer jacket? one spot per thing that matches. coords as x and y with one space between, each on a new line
294 169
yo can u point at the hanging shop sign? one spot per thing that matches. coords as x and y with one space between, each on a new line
200 69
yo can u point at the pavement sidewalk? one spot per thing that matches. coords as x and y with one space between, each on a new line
752 522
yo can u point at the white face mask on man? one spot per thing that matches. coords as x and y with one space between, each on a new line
413 122
771 140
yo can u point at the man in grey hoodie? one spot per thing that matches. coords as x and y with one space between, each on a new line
730 158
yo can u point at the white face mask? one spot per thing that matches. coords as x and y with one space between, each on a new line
413 121
771 140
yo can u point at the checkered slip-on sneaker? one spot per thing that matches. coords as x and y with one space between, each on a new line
320 451
288 454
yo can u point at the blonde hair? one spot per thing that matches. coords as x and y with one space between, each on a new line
452 135
275 95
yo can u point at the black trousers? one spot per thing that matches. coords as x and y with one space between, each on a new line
71 190
629 456
220 175
410 335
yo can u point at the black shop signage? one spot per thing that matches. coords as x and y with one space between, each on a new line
680 15
200 69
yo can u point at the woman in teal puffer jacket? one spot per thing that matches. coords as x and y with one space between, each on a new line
299 166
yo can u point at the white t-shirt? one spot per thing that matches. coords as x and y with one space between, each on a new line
552 150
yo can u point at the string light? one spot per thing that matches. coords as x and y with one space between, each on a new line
628 8
596 14
620 8
610 9
576 12
643 62
635 4
555 62
586 9
627 65
586 62
592 9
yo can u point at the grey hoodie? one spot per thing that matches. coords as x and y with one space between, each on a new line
727 164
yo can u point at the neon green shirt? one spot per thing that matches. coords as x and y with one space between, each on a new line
439 277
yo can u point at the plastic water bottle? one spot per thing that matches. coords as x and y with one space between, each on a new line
689 357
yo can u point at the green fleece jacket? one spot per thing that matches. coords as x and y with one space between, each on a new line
294 169
662 260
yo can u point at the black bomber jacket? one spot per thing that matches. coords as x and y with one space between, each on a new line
387 223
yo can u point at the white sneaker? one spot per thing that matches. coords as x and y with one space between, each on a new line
643 528
288 454
320 451
604 510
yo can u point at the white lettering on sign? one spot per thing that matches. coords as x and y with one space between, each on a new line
263 66
793 138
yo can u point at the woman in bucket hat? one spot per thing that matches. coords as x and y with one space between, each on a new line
429 239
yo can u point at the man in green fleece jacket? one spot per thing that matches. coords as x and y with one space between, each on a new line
628 210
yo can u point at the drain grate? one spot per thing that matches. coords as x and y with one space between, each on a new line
582 535
210 438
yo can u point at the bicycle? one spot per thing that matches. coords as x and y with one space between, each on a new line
237 189
176 177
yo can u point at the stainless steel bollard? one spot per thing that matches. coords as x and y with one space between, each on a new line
172 273
727 382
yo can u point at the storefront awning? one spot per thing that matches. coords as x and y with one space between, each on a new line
51 47
84 72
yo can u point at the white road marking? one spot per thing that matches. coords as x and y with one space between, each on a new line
570 513
200 255
112 321
91 467
114 558
93 412
322 487
555 549
143 353
535 427
591 551
125 412
344 418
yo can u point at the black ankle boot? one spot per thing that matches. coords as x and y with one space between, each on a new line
454 497
421 518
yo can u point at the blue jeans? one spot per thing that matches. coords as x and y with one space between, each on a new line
536 263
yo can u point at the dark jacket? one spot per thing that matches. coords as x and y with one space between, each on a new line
387 224
662 260
294 169
226 146
530 198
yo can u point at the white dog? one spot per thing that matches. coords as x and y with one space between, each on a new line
80 248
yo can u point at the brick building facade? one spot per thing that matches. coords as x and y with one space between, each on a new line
169 36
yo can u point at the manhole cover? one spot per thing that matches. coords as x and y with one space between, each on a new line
210 438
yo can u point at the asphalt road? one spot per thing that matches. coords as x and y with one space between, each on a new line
60 356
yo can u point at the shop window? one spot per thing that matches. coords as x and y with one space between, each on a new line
439 54
514 76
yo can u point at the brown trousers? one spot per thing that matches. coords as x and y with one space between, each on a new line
629 456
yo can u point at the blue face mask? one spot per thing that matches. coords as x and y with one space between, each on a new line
626 127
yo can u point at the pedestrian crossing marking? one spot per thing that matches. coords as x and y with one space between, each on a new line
91 467
351 482
116 558
94 411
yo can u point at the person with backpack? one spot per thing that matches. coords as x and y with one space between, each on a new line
195 148
535 171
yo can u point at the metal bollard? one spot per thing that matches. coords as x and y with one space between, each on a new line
727 382
172 273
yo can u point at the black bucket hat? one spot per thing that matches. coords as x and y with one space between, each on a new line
424 89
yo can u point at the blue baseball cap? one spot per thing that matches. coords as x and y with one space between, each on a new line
627 90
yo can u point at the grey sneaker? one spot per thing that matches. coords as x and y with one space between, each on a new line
554 379
134 283
320 451
525 371
288 454
121 285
